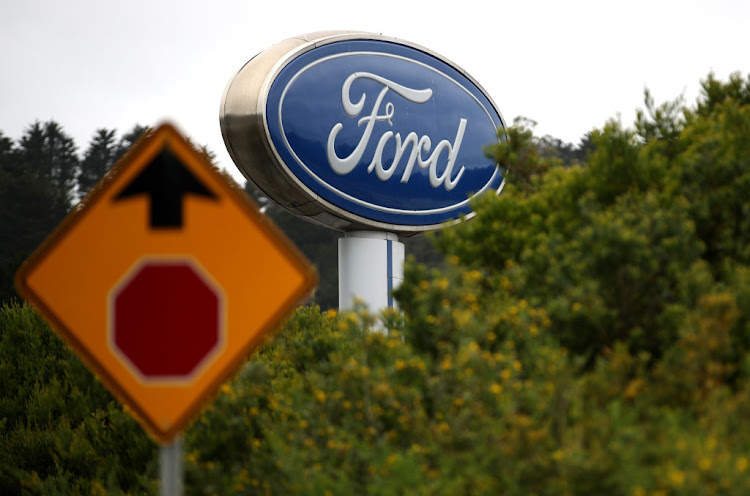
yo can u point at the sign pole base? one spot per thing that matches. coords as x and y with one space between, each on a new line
171 469
371 266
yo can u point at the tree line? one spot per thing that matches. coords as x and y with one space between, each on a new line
42 176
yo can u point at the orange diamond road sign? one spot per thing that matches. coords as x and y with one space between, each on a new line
164 279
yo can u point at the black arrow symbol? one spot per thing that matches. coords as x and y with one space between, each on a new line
165 179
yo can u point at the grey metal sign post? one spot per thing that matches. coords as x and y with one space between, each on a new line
171 471
371 266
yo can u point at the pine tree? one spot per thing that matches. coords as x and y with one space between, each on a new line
99 157
49 154
29 207
129 139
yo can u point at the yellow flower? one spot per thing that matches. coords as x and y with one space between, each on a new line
461 317
418 363
506 374
533 329
633 388
424 284
442 283
97 489
524 420
496 388
677 477
558 455
705 464
741 464
320 396
711 443
576 307
331 313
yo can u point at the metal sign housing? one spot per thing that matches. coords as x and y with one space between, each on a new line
361 131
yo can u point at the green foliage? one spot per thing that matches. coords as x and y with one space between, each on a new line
470 392
31 203
621 248
60 431
588 333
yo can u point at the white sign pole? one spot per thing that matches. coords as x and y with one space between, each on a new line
170 468
371 266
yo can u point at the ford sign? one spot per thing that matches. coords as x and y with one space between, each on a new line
360 131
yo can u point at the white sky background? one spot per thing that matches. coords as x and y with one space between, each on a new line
569 65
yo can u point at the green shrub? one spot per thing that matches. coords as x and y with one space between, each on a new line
60 431
589 333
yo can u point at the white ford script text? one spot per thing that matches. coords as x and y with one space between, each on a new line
418 144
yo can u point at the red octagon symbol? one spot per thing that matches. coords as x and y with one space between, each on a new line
166 319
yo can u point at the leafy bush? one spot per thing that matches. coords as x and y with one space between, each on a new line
589 333
60 431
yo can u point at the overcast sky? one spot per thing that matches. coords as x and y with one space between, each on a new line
569 65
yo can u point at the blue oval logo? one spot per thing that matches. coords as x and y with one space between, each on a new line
383 130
